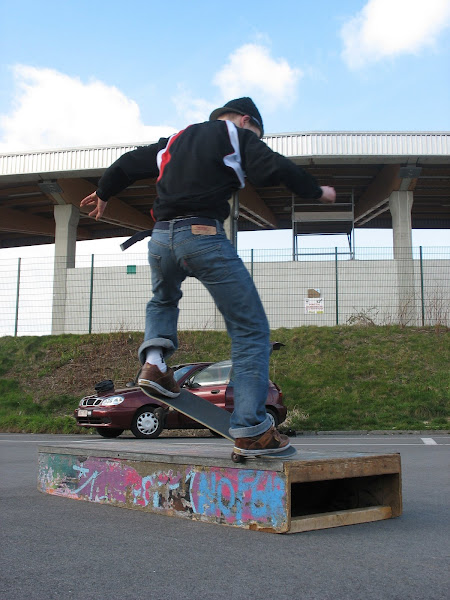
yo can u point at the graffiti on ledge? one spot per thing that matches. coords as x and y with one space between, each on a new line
228 495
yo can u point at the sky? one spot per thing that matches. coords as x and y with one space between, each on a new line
80 73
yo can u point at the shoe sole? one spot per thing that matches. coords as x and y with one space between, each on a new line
158 388
265 452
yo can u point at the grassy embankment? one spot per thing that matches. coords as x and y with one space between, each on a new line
333 378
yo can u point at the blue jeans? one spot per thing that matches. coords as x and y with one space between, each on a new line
176 253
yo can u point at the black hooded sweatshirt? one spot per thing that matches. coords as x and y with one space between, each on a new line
200 167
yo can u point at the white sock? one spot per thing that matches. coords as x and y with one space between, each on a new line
155 356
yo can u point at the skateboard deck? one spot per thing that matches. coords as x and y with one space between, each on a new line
210 416
196 408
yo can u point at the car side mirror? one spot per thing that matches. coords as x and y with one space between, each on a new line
277 345
193 385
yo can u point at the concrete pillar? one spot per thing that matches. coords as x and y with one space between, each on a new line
66 218
400 204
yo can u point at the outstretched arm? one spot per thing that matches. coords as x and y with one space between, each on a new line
264 167
131 166
100 205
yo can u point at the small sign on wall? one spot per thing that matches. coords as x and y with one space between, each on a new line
314 306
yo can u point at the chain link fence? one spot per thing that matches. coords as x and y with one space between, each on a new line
104 293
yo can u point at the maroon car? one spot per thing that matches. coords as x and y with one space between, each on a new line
112 411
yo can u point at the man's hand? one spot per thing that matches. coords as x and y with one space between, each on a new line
328 195
100 205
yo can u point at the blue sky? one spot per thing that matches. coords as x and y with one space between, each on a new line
80 73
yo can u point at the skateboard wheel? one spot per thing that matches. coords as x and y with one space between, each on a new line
237 458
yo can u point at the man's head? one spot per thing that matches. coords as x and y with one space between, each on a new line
245 108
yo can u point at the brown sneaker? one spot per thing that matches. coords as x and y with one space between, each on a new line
161 383
269 442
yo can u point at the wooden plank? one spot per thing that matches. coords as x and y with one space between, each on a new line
250 200
340 518
341 468
21 221
378 192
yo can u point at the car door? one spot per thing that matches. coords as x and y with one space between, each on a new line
211 383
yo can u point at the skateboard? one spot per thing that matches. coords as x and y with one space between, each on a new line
209 415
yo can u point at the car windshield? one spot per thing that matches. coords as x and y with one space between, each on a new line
181 372
216 374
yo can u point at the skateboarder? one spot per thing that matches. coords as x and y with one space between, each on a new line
197 171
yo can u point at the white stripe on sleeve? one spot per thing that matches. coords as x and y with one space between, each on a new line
234 160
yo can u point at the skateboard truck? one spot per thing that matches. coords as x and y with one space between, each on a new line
237 458
288 452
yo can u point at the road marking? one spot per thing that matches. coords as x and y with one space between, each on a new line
429 441
368 444
50 441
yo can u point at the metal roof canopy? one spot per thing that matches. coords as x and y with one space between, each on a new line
369 165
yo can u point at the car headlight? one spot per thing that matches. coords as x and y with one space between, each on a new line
112 401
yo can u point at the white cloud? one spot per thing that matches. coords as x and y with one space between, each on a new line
192 110
251 70
387 28
53 110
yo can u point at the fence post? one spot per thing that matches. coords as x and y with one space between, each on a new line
421 287
337 283
16 322
251 263
91 293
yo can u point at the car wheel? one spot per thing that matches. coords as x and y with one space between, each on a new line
108 432
273 416
147 422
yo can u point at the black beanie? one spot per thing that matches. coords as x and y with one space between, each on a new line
241 106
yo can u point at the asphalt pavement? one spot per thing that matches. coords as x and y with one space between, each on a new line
54 548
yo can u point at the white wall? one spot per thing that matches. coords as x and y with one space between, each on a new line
367 290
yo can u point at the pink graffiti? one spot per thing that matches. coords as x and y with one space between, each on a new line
234 496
